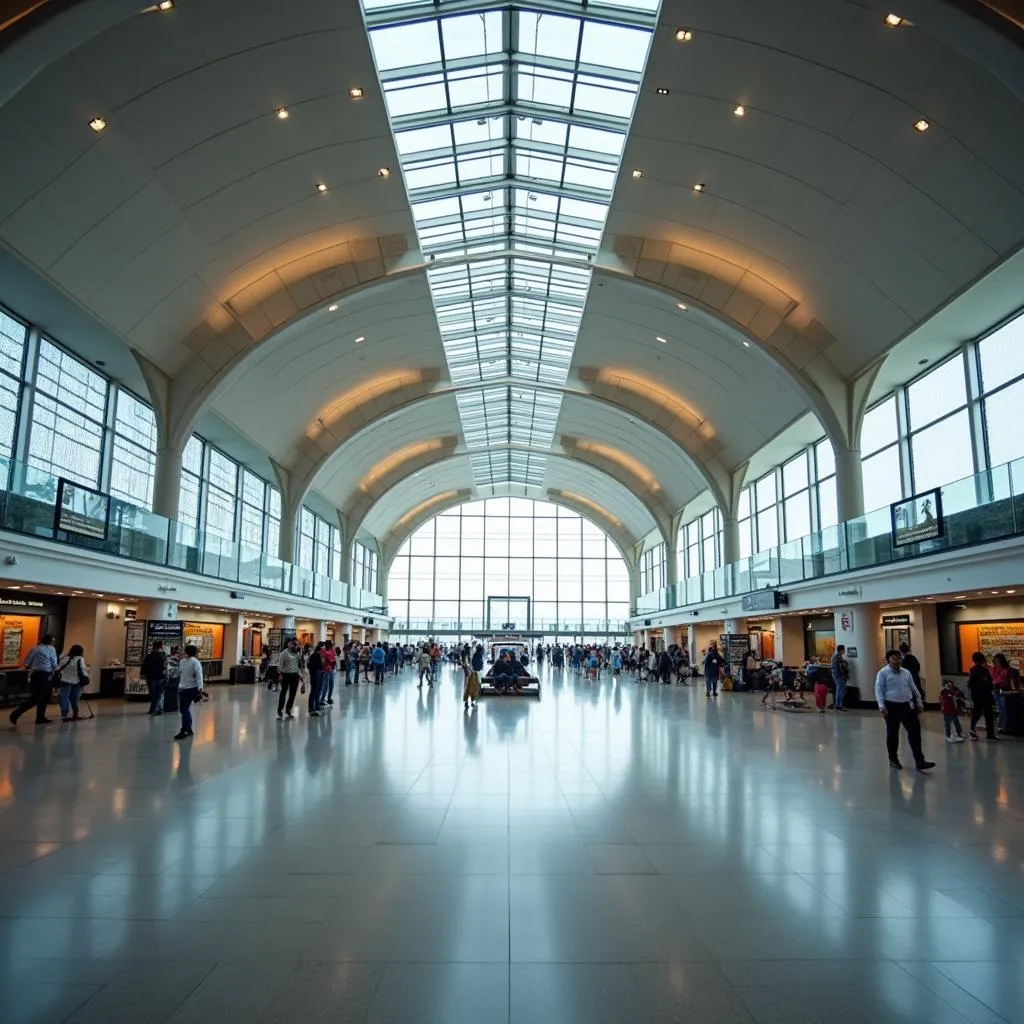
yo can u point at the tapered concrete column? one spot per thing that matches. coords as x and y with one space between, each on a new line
286 538
634 585
730 540
167 482
849 484
671 565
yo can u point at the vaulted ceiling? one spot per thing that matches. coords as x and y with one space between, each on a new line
263 268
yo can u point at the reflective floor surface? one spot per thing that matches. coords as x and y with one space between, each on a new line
608 853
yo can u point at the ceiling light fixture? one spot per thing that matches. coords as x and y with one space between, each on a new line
921 125
383 172
699 187
638 172
97 124
739 110
683 306
282 113
1011 591
894 20
321 187
683 35
332 309
664 341
661 91
360 339
355 92
746 344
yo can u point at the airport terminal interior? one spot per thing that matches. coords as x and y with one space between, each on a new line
511 513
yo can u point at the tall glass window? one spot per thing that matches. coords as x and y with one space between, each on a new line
652 569
221 495
796 494
825 475
191 482
510 547
253 515
364 567
307 533
1001 366
68 412
880 455
699 544
13 338
133 453
940 429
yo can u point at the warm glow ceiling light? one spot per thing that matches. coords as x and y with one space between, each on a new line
662 91
356 93
683 306
894 20
620 458
638 172
321 187
739 110
580 499
921 125
333 308
165 5
746 344
282 113
385 466
683 35
97 124
360 340
423 506
699 187
384 172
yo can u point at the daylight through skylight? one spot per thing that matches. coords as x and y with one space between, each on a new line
510 125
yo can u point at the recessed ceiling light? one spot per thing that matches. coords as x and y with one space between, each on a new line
739 110
332 309
384 172
282 113
683 35
1011 591
321 187
746 344
683 306
638 172
97 124
699 187
14 588
661 91
959 597
921 125
360 339
664 341
894 20
356 93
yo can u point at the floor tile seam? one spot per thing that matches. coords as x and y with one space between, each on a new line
949 980
376 987
508 883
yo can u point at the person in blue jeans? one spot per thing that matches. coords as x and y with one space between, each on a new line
377 657
190 689
315 667
840 670
713 665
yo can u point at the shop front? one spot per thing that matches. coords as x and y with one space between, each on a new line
819 637
25 617
989 626
140 634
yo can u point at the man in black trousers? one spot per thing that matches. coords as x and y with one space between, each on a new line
900 702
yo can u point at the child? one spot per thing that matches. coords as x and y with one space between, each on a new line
471 692
951 699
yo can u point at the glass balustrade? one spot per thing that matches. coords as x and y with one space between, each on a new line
977 509
28 505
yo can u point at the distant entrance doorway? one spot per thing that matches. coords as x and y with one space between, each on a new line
510 613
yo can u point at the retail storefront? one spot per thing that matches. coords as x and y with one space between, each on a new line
990 626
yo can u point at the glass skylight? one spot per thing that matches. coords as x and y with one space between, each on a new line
510 125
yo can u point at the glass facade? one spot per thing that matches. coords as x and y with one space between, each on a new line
510 548
364 567
653 574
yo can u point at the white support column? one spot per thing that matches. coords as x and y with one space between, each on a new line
671 565
858 628
634 586
167 482
849 484
286 538
730 539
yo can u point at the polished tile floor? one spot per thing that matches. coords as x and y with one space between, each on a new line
608 853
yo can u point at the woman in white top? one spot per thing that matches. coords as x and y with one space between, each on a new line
74 676
190 688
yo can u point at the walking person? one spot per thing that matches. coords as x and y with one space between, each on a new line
979 682
74 677
315 667
713 665
40 662
378 659
352 665
424 668
950 700
840 669
289 665
190 689
327 687
899 702
154 671
272 677
913 666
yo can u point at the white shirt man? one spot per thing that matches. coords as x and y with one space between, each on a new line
899 702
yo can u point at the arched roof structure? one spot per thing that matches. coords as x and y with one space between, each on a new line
825 229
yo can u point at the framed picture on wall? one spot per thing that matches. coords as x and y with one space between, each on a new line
917 519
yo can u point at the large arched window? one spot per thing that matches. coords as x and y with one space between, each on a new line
482 554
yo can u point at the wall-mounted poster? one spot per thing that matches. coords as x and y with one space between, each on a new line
81 510
917 519
208 637
134 651
990 638
12 644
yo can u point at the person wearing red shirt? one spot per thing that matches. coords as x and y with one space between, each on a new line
329 660
949 703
